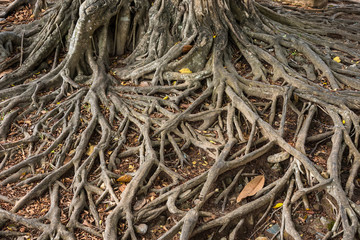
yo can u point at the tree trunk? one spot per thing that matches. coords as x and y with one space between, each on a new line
161 109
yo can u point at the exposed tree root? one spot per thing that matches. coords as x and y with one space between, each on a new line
263 90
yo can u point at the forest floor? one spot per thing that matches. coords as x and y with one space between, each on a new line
311 223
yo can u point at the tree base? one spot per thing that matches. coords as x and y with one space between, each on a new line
208 98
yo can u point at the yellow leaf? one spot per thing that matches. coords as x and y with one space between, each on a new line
72 152
194 162
337 59
90 150
58 103
343 121
185 70
255 185
166 97
174 83
213 142
124 178
278 205
214 36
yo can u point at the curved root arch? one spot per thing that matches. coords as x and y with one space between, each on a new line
212 94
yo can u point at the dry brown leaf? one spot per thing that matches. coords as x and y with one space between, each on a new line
186 48
122 187
139 204
124 178
255 185
86 223
5 72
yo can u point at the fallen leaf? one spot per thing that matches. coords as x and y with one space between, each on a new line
166 97
72 152
90 150
139 204
124 178
86 223
337 59
5 72
255 185
186 48
207 219
122 187
185 71
278 205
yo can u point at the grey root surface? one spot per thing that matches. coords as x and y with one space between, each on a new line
244 84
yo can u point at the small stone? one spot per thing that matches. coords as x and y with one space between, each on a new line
141 228
223 238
